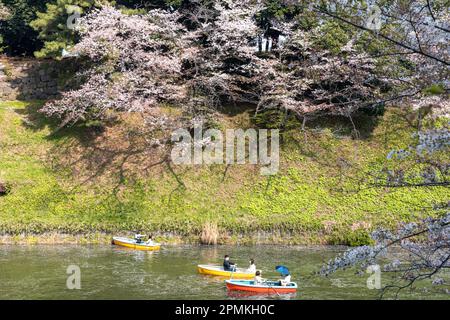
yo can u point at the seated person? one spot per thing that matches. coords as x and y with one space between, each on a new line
258 279
285 281
252 267
138 237
228 265
150 240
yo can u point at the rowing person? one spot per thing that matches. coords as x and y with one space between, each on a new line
138 237
228 265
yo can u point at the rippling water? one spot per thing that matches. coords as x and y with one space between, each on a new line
39 272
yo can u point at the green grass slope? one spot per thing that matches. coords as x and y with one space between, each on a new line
322 193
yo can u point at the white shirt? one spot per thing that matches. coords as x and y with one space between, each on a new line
286 280
258 279
252 268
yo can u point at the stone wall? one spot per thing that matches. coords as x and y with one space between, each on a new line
29 79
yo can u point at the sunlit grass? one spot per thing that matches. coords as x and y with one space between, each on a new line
320 195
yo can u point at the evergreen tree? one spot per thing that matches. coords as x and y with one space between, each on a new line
16 36
55 24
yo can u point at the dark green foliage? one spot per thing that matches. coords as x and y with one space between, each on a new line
276 119
5 188
435 89
333 36
352 238
375 110
51 24
18 37
280 9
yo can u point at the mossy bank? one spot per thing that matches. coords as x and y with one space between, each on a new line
84 185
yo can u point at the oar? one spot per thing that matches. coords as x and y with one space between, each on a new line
273 289
234 269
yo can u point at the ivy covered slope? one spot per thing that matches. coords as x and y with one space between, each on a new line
81 180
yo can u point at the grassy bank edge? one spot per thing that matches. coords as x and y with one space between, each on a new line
58 238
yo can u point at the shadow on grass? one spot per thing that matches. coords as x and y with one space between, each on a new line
360 126
234 109
114 153
34 120
73 146
124 153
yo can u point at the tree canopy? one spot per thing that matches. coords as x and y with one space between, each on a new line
334 63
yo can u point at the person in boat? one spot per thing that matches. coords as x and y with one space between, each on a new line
139 237
252 267
228 265
258 279
285 281
150 241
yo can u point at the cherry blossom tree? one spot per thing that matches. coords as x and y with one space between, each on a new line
422 165
205 55
415 251
318 82
415 35
133 64
225 67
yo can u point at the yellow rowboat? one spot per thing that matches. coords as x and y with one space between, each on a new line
131 243
218 271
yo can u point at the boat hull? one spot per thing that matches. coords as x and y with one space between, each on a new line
129 243
249 286
218 271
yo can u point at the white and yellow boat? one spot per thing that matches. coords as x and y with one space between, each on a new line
219 271
132 244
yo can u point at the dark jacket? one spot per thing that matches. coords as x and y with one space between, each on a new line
228 265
